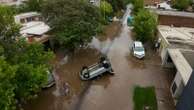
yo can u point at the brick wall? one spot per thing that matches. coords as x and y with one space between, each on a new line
176 21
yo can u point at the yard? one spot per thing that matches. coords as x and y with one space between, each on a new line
144 98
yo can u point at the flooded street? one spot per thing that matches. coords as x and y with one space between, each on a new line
107 92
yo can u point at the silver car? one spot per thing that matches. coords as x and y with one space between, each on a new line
97 69
138 50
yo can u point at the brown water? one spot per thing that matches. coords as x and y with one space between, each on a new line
107 92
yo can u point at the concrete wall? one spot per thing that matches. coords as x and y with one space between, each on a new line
180 86
163 48
186 101
176 21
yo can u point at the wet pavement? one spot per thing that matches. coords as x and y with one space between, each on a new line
107 92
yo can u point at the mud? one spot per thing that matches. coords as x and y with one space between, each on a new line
107 92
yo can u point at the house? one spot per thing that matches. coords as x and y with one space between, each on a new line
183 63
174 37
33 28
175 18
177 51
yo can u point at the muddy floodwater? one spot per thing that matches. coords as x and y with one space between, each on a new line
106 92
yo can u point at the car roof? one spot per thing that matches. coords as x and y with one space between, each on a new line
138 44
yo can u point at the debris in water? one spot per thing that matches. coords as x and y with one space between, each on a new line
65 89
64 60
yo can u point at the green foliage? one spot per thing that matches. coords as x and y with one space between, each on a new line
29 80
128 1
145 25
7 75
144 97
106 8
181 4
8 29
73 22
23 66
116 4
32 64
138 5
30 5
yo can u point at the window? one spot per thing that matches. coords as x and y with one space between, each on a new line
22 20
29 19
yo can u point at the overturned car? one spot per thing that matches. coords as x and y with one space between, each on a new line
97 69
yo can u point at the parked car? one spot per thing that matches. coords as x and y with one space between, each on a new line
138 50
97 69
50 80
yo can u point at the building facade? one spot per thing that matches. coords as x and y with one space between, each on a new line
177 51
175 18
33 28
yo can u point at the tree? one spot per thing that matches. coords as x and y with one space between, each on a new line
73 22
145 25
8 28
30 5
7 74
23 66
32 65
106 8
138 5
116 4
181 4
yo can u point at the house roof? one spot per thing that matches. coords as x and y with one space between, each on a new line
181 37
34 28
28 14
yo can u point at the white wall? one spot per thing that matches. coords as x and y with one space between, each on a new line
180 86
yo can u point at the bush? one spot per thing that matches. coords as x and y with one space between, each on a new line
181 4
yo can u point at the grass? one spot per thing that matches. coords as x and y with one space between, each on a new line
144 97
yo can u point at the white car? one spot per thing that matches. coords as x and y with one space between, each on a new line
97 69
138 49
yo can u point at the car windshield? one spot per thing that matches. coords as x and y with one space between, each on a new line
139 49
